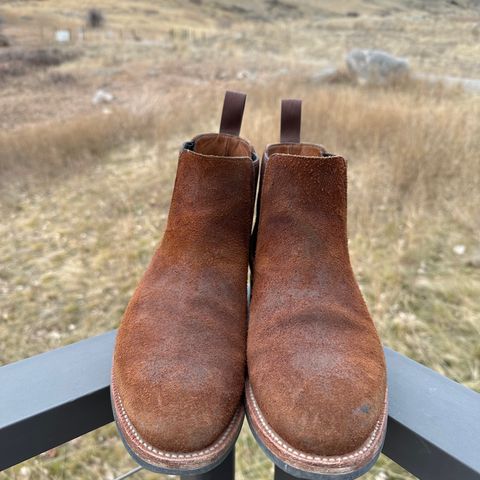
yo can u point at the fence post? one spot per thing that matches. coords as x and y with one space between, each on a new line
281 475
224 471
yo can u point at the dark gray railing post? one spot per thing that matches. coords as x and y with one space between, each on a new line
281 475
225 471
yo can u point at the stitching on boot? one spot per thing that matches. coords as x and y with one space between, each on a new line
169 456
274 438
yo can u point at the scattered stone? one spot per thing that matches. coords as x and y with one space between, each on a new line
353 14
25 471
405 318
422 269
459 249
376 67
246 75
54 335
62 36
102 96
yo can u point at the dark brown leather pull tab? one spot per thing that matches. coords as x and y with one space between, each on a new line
291 121
232 113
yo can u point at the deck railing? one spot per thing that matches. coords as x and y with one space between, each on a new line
51 398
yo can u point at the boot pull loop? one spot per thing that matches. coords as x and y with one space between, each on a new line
232 113
291 121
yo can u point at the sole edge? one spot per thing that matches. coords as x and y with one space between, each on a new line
343 473
184 467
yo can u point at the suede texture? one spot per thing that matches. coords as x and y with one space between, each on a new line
315 362
180 356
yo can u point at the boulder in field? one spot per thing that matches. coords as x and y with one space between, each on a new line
376 67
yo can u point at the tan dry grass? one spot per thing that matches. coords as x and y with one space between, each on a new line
73 250
60 147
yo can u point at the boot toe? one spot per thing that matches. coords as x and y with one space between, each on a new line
322 397
313 419
177 417
177 401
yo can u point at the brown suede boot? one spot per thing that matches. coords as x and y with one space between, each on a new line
179 364
316 395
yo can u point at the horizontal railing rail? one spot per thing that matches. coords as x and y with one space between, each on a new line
51 398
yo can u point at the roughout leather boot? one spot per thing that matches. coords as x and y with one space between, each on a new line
178 372
316 395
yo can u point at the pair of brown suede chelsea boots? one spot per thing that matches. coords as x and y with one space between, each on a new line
310 374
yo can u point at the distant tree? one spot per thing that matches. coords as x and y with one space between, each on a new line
95 18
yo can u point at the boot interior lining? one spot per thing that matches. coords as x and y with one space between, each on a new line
303 149
222 145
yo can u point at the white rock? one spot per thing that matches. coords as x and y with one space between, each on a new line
102 96
245 75
25 471
459 249
376 67
62 36
54 335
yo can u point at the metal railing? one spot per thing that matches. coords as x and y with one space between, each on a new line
46 400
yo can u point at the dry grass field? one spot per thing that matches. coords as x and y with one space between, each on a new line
85 189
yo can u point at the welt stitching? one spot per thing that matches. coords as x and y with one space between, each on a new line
303 456
131 430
